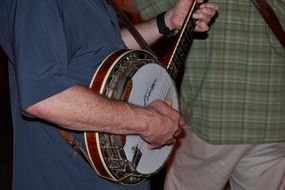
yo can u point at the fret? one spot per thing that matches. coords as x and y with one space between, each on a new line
182 46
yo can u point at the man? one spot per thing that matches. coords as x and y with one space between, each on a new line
233 99
54 47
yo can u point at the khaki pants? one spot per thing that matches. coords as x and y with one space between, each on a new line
197 165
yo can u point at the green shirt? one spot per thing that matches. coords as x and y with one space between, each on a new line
233 90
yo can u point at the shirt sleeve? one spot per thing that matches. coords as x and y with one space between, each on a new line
40 51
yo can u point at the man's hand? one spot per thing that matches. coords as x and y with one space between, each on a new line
175 17
164 124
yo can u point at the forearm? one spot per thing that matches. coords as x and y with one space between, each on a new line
174 19
79 108
148 30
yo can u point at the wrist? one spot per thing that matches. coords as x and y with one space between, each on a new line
164 26
168 20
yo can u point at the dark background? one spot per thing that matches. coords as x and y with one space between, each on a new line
5 127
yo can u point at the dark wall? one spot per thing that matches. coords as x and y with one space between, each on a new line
5 127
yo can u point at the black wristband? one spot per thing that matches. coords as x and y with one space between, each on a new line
162 28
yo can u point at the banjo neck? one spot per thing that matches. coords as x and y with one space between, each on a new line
174 61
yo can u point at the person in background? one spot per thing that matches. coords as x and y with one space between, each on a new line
233 97
54 47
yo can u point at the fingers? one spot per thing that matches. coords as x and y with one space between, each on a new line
209 5
201 26
205 12
170 141
204 15
167 128
177 133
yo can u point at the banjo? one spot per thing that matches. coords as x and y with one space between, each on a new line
137 77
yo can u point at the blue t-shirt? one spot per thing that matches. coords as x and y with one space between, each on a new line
53 45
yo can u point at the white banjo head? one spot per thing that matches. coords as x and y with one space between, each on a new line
150 82
136 77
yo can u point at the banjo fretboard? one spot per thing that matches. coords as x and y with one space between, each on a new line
182 45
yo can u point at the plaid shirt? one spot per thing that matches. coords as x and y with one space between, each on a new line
233 89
